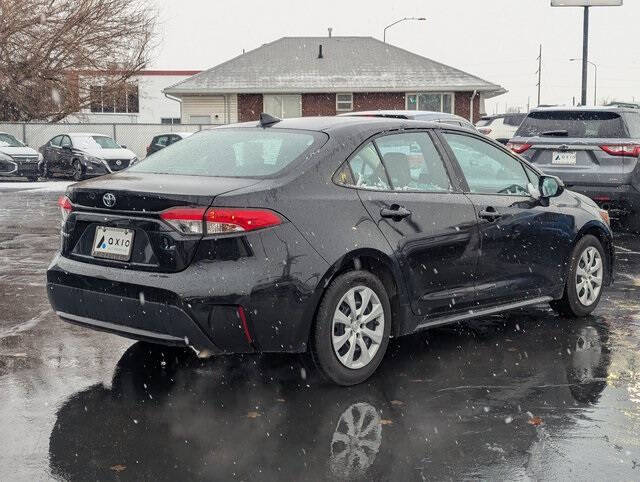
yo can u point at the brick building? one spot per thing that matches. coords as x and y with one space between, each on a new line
310 76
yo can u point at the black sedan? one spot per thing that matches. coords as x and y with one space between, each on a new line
83 154
327 235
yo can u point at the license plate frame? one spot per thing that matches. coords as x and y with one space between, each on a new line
564 158
112 243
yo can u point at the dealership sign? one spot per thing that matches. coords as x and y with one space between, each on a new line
586 3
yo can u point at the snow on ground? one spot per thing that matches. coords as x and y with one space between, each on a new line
43 186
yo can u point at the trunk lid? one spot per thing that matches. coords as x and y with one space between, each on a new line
133 202
580 161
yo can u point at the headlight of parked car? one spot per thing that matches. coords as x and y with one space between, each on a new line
133 161
93 159
40 157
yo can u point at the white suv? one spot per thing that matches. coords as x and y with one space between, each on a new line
500 127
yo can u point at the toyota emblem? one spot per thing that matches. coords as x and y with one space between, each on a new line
118 162
109 200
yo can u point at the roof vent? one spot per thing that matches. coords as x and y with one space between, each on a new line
320 56
330 30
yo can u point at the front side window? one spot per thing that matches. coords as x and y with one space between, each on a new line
487 169
56 141
413 163
368 171
432 101
245 152
283 106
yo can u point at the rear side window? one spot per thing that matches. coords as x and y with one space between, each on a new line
245 152
580 124
368 171
484 122
413 163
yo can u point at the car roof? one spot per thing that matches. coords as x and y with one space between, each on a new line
498 116
181 134
584 108
83 134
345 123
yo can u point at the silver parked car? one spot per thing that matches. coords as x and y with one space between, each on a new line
594 150
423 115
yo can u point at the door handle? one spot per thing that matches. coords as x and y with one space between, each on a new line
490 214
395 212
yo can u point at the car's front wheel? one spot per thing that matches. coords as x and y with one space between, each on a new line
352 328
585 279
78 171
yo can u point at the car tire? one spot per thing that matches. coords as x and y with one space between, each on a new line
580 298
348 333
78 171
45 170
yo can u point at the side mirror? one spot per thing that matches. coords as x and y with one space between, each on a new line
123 146
550 186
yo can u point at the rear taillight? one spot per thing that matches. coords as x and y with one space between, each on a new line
185 220
219 220
65 207
484 130
518 147
230 220
631 150
148 148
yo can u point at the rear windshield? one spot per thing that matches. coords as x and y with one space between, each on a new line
244 152
483 122
633 123
573 124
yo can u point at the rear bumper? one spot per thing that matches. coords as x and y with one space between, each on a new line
622 199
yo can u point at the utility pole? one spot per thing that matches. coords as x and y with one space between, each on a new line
539 72
585 54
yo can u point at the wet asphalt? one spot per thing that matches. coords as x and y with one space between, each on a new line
526 395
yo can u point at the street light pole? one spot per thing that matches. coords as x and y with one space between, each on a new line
595 80
384 33
585 53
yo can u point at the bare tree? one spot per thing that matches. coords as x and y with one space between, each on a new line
52 51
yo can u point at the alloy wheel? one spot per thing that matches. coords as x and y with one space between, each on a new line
589 275
358 327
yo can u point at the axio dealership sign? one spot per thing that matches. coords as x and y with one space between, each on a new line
586 3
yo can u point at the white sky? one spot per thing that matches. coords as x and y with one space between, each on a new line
493 39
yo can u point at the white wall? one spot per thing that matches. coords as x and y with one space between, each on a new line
221 109
153 105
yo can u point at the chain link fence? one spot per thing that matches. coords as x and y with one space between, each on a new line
134 136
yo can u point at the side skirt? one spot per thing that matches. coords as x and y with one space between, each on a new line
482 312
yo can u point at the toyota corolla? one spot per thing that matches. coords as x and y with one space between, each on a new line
323 235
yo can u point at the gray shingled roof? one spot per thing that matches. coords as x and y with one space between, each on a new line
350 64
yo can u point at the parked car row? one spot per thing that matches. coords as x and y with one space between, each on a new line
78 155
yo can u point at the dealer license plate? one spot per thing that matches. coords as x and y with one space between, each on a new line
563 158
112 243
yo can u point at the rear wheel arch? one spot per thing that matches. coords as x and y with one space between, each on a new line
377 263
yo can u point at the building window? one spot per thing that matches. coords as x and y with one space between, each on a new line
283 106
433 101
344 102
170 120
200 119
122 100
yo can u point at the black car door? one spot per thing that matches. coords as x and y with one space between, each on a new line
65 156
523 242
431 226
51 154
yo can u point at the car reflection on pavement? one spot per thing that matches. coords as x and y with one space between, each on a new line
453 403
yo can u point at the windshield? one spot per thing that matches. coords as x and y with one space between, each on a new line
7 140
95 142
580 124
231 153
